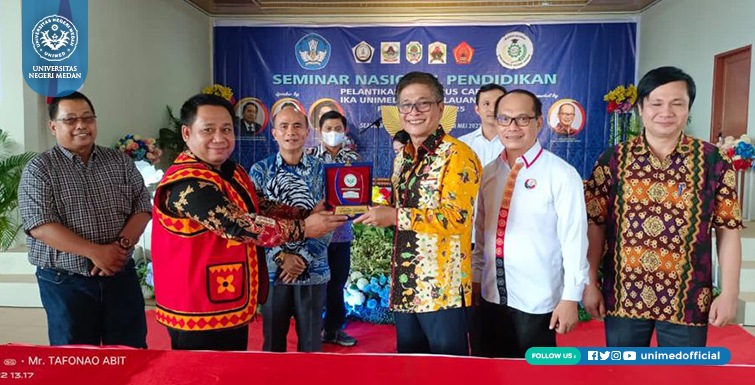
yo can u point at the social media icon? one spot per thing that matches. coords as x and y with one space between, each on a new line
592 355
604 356
629 356
615 355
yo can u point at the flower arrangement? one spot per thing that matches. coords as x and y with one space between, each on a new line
143 263
740 151
220 90
367 290
624 123
621 99
139 149
367 298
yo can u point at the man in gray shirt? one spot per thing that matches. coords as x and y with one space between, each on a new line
83 207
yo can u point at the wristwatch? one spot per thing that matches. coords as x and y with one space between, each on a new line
125 242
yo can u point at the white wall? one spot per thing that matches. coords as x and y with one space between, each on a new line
18 103
143 55
688 34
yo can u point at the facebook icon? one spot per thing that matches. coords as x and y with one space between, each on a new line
592 355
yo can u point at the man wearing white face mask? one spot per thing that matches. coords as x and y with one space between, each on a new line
333 128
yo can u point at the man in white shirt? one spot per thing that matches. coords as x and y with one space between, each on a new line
484 140
529 264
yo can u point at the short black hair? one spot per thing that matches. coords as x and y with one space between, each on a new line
248 104
401 137
486 88
52 109
420 78
332 115
663 75
190 107
538 105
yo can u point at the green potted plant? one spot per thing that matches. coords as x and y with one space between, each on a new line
11 166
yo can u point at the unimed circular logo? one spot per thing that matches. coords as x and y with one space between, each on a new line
350 180
55 38
514 50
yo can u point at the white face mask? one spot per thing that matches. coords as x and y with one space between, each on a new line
333 138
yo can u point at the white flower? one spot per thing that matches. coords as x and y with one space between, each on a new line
352 291
362 283
150 174
356 275
355 300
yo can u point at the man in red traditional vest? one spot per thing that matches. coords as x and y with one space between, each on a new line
208 221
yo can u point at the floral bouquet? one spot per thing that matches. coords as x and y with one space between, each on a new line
220 90
624 124
621 99
367 297
740 151
367 289
139 149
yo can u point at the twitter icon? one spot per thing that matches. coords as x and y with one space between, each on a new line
604 356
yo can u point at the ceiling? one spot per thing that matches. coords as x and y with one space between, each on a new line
416 7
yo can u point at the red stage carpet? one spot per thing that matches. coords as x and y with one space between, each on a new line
382 338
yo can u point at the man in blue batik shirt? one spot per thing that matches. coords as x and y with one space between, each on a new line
299 270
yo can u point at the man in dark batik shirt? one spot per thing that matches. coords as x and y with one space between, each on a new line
653 200
208 221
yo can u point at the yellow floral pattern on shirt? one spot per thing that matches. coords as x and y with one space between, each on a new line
435 189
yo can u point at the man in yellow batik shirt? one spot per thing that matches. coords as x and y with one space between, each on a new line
435 182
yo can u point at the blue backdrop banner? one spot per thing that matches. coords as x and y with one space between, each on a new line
55 45
356 69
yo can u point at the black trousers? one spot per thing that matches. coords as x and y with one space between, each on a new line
223 340
437 332
305 304
508 332
339 261
627 332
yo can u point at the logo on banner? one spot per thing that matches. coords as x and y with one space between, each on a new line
55 38
390 52
312 52
514 50
363 52
463 53
414 52
436 53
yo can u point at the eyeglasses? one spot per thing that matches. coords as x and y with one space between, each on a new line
74 121
521 121
423 106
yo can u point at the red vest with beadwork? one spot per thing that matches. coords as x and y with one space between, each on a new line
203 281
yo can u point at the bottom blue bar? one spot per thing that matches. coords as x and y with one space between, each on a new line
654 356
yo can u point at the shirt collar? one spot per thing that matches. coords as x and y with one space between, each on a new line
529 157
341 151
303 162
70 154
640 146
478 134
429 145
226 169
